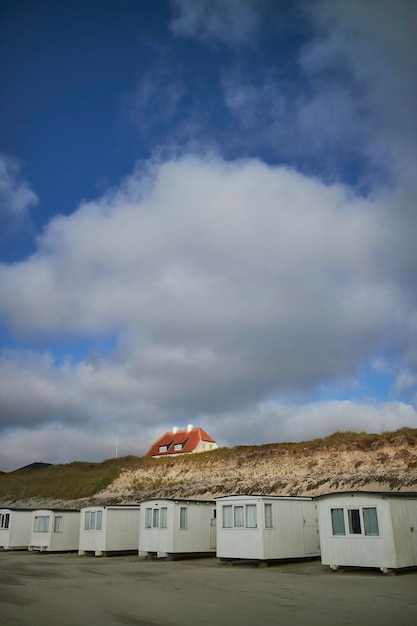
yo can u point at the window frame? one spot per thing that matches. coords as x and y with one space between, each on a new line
183 518
58 524
354 520
239 516
148 517
4 521
249 508
268 517
93 520
358 521
227 516
163 518
341 514
368 523
156 517
232 519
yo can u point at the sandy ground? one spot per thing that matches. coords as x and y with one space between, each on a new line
65 589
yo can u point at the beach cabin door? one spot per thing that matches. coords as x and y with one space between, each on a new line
213 530
412 517
311 536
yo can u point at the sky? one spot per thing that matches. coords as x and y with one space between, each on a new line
208 216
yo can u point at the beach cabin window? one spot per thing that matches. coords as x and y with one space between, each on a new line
41 524
227 516
58 524
239 517
268 515
178 446
4 520
354 522
251 516
183 517
156 518
163 448
338 521
370 521
148 518
93 520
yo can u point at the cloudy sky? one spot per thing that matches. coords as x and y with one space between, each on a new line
207 215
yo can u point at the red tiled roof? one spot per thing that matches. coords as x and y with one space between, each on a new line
189 439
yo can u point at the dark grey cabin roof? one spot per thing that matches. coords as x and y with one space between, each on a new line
385 494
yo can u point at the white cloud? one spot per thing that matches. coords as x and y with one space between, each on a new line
16 196
58 444
222 284
348 105
16 199
275 422
264 423
229 21
372 46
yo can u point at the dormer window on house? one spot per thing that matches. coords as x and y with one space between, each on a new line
184 441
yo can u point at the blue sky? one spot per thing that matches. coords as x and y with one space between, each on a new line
208 216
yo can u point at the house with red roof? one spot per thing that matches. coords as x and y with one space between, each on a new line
185 441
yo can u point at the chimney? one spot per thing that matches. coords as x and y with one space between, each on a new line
175 429
189 428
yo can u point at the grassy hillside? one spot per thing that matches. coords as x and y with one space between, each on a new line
66 482
349 458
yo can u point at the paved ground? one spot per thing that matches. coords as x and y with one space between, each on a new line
68 590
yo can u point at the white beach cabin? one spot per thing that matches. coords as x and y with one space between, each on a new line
368 529
15 526
177 528
266 528
55 530
106 530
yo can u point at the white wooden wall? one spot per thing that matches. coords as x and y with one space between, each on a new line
51 541
198 536
18 533
119 530
293 534
392 548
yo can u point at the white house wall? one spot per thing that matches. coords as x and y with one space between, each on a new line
293 534
92 540
390 549
65 539
119 530
403 535
122 529
412 517
197 537
17 536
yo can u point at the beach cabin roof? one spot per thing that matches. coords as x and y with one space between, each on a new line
390 494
